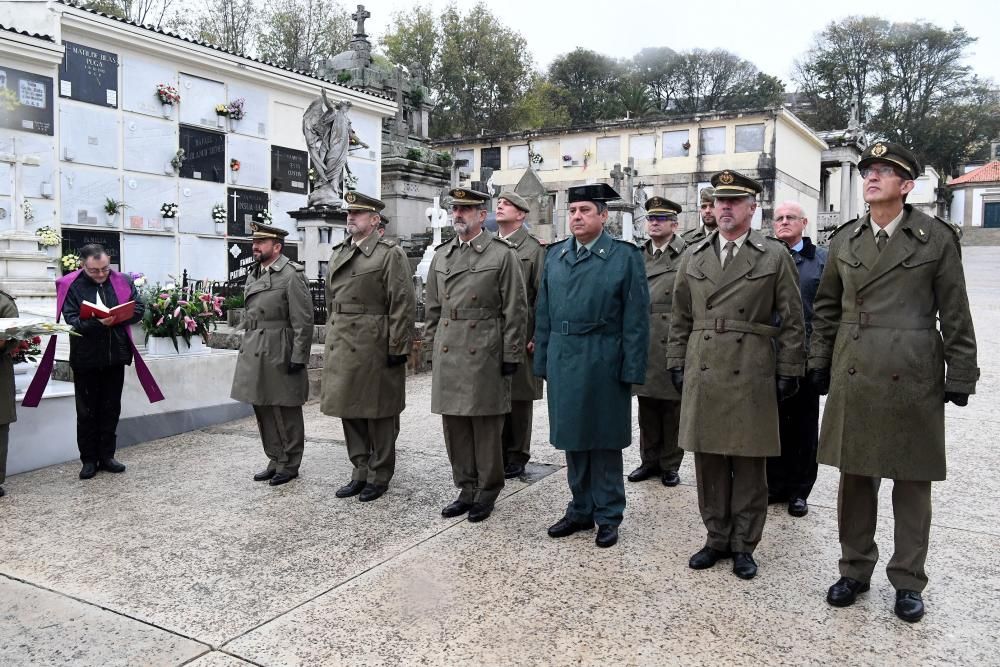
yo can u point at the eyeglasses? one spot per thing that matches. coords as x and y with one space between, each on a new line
98 272
659 218
787 218
882 170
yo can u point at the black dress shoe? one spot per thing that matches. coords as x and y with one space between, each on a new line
371 492
282 478
706 558
264 475
457 508
798 507
670 478
512 470
89 470
744 566
112 466
480 512
845 592
909 606
352 488
644 472
565 527
607 536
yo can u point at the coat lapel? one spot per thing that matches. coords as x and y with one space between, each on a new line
900 246
745 259
339 256
706 260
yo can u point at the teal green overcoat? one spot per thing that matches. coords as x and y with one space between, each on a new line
591 341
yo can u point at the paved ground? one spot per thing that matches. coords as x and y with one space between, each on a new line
184 560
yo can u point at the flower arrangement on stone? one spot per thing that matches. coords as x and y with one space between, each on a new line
29 212
113 206
138 279
312 175
221 110
48 237
177 161
168 210
25 350
534 158
567 158
263 217
235 109
234 164
173 312
586 158
69 262
219 214
167 94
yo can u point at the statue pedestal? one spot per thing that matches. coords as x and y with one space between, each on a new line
28 273
317 243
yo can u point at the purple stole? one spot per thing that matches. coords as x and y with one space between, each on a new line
123 291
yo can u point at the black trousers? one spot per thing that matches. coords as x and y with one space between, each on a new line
98 406
793 474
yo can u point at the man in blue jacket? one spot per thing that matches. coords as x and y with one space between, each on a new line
591 344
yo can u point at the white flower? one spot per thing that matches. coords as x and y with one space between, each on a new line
139 282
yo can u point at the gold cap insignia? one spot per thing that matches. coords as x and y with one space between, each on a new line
459 193
726 178
878 150
350 198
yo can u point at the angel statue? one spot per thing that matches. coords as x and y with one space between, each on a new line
329 137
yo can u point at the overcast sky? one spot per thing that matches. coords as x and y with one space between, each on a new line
769 33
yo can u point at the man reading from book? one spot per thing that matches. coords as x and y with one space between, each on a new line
98 356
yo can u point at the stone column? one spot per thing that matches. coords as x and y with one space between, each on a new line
854 195
845 191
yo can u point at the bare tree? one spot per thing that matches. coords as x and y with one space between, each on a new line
228 24
301 34
144 12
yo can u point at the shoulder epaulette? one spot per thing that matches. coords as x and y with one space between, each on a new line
295 265
842 226
955 229
388 242
442 244
631 244
504 241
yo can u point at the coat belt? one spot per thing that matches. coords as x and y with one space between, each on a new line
567 328
358 309
660 307
863 320
722 325
268 324
473 313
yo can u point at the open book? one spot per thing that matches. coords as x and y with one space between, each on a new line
121 313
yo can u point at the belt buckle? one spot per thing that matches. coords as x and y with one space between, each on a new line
863 319
720 325
454 313
565 328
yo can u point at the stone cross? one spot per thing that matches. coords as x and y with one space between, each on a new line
360 17
616 177
629 173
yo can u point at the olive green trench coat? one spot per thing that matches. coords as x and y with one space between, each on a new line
278 323
886 324
476 310
660 274
524 385
721 333
370 306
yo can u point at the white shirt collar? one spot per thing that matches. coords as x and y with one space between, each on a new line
891 227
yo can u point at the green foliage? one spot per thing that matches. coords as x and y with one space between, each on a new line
414 154
234 301
588 81
414 38
344 77
543 106
635 99
444 158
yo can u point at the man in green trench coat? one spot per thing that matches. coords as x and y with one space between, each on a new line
591 338
892 343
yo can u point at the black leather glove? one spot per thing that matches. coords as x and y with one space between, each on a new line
396 360
677 379
507 368
819 378
956 397
294 368
787 387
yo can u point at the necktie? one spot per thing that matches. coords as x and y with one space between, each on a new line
580 250
881 239
730 251
656 255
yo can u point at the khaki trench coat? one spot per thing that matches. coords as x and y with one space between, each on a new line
721 332
8 406
524 385
886 324
660 275
476 310
370 306
279 325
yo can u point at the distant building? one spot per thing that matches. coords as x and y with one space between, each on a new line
975 203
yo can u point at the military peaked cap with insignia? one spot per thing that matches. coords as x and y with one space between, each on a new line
357 201
707 195
262 231
463 197
729 183
515 199
598 192
894 154
662 206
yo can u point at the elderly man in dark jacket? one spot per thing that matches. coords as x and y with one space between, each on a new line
790 477
98 357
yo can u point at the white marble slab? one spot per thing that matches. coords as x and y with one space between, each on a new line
144 195
156 256
196 201
281 204
255 162
140 77
256 101
88 134
41 148
149 145
204 258
198 99
83 192
286 129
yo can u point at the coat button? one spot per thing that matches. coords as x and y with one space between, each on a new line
850 371
472 350
474 297
472 325
708 337
860 300
704 367
353 350
709 306
741 310
446 295
663 317
444 349
736 372
446 322
354 324
856 335
895 376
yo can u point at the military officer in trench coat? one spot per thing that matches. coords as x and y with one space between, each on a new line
707 200
591 337
270 370
892 342
733 366
370 301
659 402
476 311
8 406
525 387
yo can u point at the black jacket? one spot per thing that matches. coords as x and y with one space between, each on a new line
97 346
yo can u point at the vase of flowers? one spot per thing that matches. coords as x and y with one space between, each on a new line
219 218
221 111
177 161
168 213
69 262
235 112
234 170
49 240
178 320
263 217
168 97
113 207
